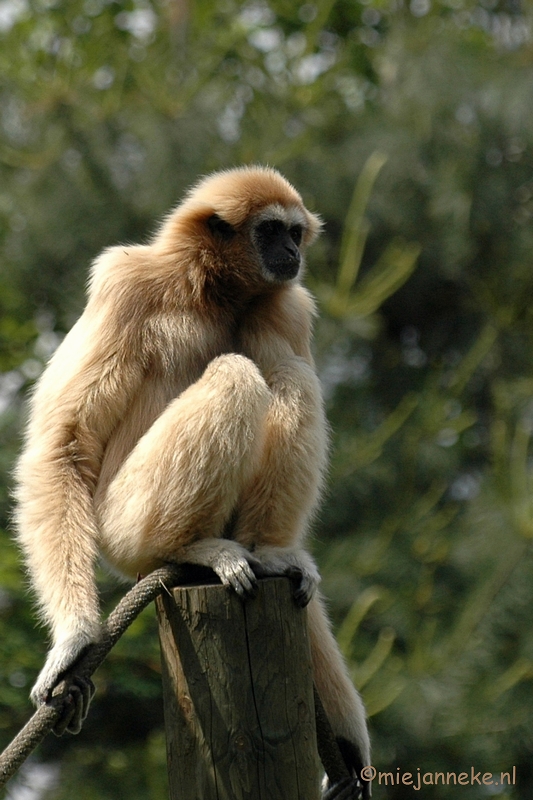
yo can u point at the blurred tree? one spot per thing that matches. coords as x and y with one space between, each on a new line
407 125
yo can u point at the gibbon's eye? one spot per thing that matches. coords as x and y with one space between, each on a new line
270 228
219 227
295 232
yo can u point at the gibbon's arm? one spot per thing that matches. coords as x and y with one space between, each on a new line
82 394
274 510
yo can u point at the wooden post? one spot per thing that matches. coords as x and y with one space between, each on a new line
238 693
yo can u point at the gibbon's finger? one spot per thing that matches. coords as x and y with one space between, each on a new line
77 699
245 590
302 586
76 722
71 715
87 690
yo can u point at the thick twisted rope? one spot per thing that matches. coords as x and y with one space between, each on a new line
131 605
46 716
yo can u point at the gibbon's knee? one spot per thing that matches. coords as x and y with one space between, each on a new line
234 379
184 476
234 371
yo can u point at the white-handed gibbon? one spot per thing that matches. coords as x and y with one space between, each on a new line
181 420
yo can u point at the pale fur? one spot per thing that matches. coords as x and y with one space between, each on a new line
182 407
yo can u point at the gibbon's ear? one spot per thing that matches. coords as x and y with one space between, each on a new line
219 227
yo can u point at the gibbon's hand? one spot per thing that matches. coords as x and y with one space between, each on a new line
293 563
77 691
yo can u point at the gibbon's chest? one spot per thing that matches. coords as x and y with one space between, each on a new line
190 342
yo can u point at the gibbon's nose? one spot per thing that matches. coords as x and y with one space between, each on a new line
293 251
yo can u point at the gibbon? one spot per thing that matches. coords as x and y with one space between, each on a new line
181 420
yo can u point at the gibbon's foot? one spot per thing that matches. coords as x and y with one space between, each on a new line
236 573
352 758
60 661
58 679
228 559
76 703
347 789
297 565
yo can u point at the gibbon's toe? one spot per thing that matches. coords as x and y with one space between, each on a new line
236 573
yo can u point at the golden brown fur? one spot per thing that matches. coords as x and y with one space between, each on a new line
183 407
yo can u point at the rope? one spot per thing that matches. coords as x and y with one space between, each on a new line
131 605
118 621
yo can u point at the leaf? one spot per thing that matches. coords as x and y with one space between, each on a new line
391 271
356 226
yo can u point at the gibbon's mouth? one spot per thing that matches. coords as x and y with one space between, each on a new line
283 270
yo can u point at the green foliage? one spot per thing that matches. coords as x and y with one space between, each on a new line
407 126
390 272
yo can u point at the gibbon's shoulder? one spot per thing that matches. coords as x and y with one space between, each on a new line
128 281
118 266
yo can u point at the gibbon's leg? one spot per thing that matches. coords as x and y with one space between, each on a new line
341 701
178 487
275 507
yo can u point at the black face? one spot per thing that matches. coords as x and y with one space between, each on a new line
278 248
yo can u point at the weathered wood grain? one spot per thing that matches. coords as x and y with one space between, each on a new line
238 691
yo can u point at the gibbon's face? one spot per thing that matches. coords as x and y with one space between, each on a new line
257 232
275 234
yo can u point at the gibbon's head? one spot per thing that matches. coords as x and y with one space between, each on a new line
248 227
